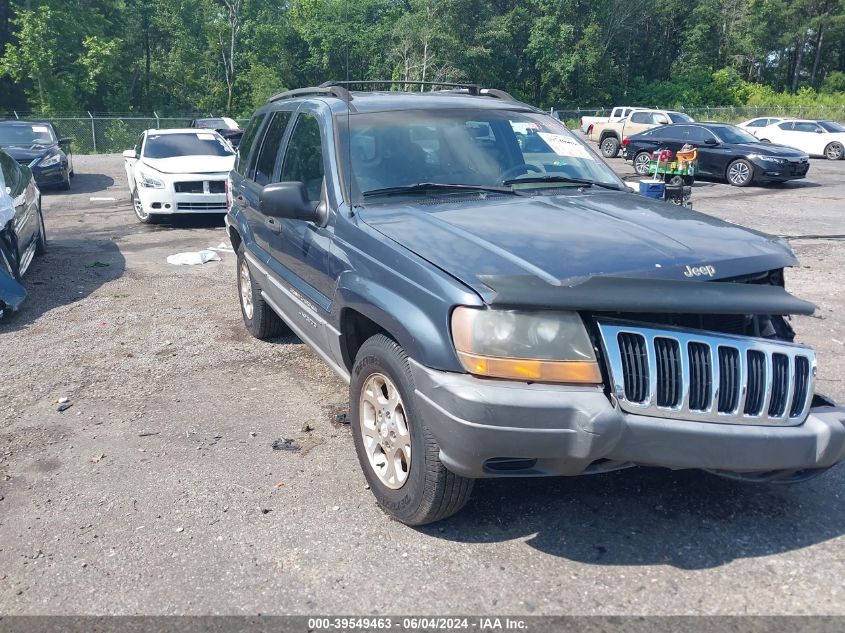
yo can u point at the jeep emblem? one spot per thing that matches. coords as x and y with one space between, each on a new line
698 271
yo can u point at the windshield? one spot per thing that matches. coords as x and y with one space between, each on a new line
679 117
212 124
733 134
26 134
832 126
200 144
475 148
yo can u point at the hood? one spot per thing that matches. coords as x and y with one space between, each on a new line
769 149
567 239
30 152
192 164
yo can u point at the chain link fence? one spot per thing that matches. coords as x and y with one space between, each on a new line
723 114
113 133
109 134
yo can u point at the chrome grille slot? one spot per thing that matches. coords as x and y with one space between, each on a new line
635 366
701 375
666 371
756 384
780 385
728 379
800 384
668 377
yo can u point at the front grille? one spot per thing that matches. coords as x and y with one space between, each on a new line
199 186
201 206
189 186
696 375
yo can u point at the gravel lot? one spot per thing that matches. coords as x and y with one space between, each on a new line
158 492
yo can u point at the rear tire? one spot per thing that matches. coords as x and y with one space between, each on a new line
610 147
259 318
834 151
399 456
740 173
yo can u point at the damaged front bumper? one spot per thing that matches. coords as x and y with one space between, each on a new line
495 428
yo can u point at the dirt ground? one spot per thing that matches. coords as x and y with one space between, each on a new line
158 491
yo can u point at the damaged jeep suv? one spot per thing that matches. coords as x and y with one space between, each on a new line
502 305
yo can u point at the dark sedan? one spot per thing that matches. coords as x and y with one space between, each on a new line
39 146
725 152
22 233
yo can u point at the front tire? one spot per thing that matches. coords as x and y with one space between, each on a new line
140 213
610 147
399 456
65 186
641 162
740 173
834 151
259 318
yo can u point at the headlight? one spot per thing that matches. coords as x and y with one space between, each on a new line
150 182
539 345
768 159
49 161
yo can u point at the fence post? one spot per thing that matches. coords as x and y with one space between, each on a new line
158 123
93 132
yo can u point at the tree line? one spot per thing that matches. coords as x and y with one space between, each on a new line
228 56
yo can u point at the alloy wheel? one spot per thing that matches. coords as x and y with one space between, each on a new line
139 208
246 289
739 173
833 151
641 164
385 431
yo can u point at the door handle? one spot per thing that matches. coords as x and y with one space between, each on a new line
273 224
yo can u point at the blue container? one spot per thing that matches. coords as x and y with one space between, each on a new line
652 189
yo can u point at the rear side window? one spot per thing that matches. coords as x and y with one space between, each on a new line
304 156
641 117
247 140
757 123
266 160
786 126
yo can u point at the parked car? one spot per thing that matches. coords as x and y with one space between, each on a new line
816 138
38 145
753 126
725 152
224 126
22 232
617 114
178 171
507 309
609 135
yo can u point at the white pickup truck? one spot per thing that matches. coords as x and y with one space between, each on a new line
619 112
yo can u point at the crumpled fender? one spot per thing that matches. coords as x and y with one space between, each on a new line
12 293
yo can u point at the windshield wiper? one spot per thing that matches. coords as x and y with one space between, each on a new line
436 186
566 179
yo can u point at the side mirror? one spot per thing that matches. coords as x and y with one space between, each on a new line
130 153
288 200
663 120
711 141
64 140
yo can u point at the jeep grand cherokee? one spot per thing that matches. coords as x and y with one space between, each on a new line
502 305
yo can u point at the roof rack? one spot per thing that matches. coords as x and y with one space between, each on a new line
324 89
471 89
340 89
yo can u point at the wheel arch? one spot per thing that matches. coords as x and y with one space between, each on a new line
368 308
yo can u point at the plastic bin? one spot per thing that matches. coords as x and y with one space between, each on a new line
652 189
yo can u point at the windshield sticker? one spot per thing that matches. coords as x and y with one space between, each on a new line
40 128
565 146
205 137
